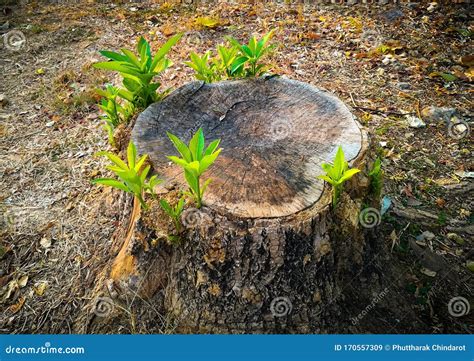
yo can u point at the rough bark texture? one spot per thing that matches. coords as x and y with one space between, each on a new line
267 253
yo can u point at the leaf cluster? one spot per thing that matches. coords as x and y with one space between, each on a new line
337 174
195 160
139 70
376 178
236 61
131 177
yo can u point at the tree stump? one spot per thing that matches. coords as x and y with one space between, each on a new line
266 252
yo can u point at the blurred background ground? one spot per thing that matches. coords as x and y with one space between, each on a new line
405 69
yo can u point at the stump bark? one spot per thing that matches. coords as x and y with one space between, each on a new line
266 252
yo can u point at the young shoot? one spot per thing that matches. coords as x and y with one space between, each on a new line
376 178
195 160
139 70
114 112
131 176
204 70
174 212
251 54
337 174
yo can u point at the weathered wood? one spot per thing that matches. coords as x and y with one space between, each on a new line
267 253
275 135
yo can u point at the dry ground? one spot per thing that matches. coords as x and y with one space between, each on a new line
57 227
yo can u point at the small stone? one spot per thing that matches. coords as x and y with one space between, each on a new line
414 122
429 162
428 272
426 235
45 243
456 238
386 61
470 265
3 100
50 124
5 26
394 14
413 202
463 174
404 86
438 114
432 7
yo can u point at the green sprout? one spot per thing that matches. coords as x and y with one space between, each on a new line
131 178
337 174
174 212
195 161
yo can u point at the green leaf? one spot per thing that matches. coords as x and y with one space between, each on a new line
131 154
164 50
114 168
193 167
166 207
205 185
339 163
261 44
116 66
347 175
112 55
180 147
154 181
180 206
178 161
247 51
253 45
131 58
143 48
238 63
212 147
192 181
376 168
234 42
140 162
327 179
131 84
196 145
144 173
207 160
112 183
116 160
127 95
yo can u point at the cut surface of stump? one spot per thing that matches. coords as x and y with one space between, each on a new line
275 134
